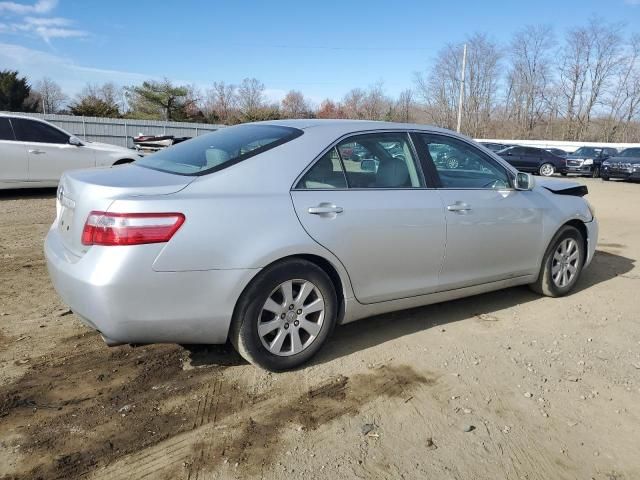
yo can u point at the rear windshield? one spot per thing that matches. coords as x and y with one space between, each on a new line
220 149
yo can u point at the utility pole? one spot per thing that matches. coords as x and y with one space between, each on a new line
462 74
44 108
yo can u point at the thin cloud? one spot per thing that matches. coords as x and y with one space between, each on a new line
46 28
38 8
71 76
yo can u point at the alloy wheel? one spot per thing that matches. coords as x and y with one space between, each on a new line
547 170
291 318
564 265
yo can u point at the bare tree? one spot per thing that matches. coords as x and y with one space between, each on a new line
590 59
251 100
440 87
623 100
222 102
330 109
353 103
529 78
404 106
52 98
375 104
294 105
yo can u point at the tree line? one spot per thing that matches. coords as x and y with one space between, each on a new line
583 86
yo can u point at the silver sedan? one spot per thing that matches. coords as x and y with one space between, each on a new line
270 234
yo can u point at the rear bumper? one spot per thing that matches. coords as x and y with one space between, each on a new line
115 290
592 240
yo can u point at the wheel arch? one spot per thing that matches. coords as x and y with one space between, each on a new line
325 265
581 227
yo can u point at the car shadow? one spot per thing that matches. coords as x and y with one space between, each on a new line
352 337
27 193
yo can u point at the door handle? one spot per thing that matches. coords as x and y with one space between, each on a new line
459 207
37 152
325 208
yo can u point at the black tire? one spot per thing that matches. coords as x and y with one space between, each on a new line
596 172
244 326
545 284
564 174
605 178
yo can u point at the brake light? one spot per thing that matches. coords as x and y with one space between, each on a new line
104 228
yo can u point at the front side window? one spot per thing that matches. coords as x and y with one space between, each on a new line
460 165
220 149
6 132
326 173
37 132
379 160
631 152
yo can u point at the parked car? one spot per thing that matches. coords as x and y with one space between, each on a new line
626 165
272 246
494 147
34 153
557 151
588 160
534 160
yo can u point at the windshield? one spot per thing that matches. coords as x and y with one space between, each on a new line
220 149
631 152
588 151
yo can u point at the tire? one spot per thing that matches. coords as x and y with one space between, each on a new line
596 172
606 179
564 174
548 283
265 301
547 169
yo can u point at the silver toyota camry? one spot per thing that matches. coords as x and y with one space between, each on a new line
270 234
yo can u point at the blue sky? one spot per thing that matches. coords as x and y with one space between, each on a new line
323 48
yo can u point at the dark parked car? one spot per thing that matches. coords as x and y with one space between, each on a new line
588 160
534 160
494 147
625 165
557 151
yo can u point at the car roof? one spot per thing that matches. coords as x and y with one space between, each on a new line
346 126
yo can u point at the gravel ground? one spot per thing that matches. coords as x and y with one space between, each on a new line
506 385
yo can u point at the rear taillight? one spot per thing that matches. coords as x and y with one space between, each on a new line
103 228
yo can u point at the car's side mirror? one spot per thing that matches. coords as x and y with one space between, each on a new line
75 141
524 181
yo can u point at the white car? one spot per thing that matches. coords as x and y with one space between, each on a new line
34 153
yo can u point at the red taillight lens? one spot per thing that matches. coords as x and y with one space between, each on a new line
103 228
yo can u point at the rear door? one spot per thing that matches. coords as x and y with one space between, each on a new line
515 156
365 200
13 155
48 150
493 231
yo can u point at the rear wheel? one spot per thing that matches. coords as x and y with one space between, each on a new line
285 316
562 263
546 169
605 178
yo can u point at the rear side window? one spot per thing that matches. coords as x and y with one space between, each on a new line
38 132
6 133
220 149
326 173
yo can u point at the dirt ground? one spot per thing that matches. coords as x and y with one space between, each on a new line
506 385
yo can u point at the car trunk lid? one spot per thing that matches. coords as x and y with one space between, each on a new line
83 191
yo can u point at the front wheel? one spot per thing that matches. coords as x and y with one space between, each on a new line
605 178
285 316
562 263
547 169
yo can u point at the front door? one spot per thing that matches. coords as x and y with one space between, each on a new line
493 231
365 200
48 150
